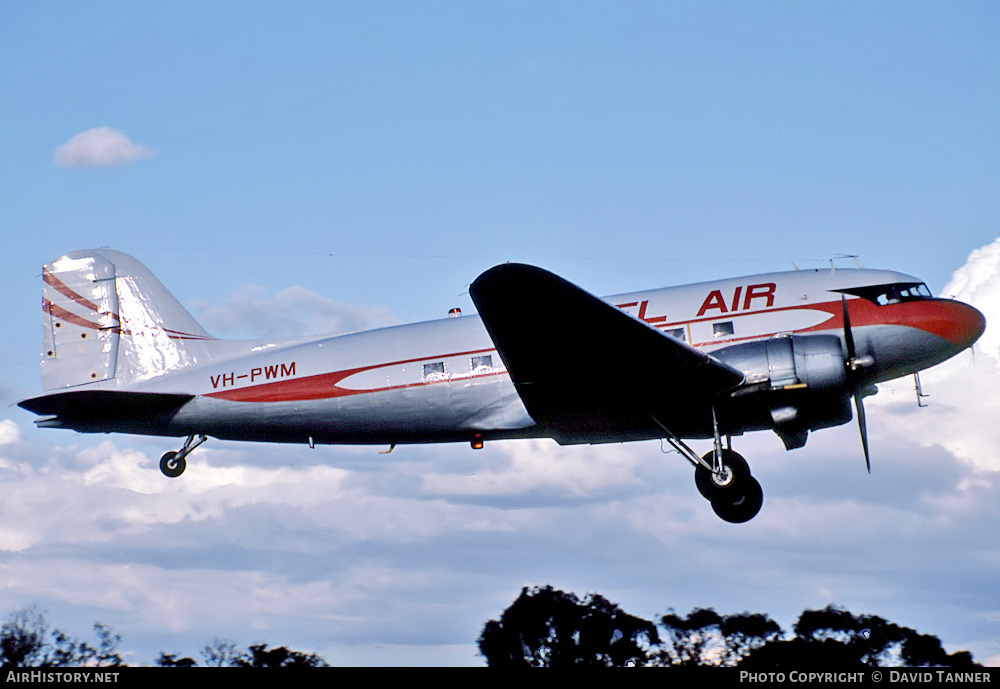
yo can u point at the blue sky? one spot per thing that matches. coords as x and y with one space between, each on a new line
331 165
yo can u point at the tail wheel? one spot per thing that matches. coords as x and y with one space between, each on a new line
172 465
726 482
742 507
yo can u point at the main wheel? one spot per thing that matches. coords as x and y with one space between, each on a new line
712 485
171 465
745 507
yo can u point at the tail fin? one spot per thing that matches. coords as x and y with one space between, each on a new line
105 316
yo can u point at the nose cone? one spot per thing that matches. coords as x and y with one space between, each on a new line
954 321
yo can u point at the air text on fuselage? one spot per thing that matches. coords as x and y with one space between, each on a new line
741 300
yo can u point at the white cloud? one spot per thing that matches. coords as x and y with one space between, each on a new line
9 432
963 405
347 552
978 283
294 311
366 557
541 467
100 147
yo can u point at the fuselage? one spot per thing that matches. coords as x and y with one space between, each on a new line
444 380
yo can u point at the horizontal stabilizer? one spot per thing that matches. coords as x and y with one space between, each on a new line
82 408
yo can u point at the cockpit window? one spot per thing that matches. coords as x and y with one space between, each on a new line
893 293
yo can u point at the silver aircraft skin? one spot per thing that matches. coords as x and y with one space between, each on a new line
786 352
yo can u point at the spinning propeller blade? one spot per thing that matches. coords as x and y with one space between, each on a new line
863 425
851 364
848 334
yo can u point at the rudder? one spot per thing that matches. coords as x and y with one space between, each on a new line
105 316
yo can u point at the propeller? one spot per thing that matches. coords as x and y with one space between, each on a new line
853 363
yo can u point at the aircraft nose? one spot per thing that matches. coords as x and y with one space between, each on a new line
960 323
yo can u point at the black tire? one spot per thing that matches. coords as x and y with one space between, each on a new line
714 487
171 465
745 507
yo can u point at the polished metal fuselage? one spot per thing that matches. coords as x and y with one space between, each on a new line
442 381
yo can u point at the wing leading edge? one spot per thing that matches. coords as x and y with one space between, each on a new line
586 370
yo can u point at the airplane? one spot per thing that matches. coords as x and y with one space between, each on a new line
786 352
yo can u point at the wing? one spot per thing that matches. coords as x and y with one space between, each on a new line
586 370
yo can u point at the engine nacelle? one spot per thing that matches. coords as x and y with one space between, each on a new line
793 384
815 362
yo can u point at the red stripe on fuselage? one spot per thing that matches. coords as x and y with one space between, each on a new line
952 321
324 385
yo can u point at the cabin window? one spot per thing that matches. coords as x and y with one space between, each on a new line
898 293
434 371
724 329
892 293
677 333
482 364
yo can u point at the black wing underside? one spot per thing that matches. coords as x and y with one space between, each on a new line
589 372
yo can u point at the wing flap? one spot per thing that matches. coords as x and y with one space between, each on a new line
588 371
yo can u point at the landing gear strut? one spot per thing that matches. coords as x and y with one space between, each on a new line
713 482
172 464
723 478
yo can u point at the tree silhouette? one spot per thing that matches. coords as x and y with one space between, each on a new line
260 656
689 640
220 653
171 660
224 653
27 641
545 627
22 638
706 638
924 650
746 632
836 637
